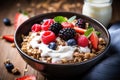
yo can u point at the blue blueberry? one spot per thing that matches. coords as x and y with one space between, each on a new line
52 45
7 21
9 66
71 42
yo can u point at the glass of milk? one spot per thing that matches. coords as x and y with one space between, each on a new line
100 10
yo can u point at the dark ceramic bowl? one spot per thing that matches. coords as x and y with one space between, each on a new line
60 70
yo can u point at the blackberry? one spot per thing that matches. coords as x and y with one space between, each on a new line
67 33
56 27
80 23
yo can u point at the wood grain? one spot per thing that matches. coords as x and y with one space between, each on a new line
9 8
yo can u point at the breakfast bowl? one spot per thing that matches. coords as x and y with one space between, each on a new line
58 70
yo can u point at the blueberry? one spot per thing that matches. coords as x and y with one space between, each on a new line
52 45
9 66
7 21
71 42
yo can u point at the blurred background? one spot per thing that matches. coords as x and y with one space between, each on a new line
35 7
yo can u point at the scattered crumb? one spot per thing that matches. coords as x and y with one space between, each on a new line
15 71
25 69
1 37
7 61
13 45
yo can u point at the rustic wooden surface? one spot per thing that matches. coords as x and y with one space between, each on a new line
9 8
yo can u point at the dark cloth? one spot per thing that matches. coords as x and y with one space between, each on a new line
109 68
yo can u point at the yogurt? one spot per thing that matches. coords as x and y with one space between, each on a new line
64 52
100 10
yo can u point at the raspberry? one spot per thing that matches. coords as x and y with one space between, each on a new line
83 41
67 25
36 28
47 23
47 37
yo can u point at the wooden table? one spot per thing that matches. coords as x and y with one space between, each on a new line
9 8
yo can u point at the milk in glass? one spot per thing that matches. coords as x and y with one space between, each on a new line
100 10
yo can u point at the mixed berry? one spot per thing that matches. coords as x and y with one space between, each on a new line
67 31
59 39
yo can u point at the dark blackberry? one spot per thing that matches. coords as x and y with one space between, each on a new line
80 23
67 33
56 27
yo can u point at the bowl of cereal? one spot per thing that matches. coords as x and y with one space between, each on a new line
62 44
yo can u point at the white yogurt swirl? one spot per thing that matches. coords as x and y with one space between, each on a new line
63 52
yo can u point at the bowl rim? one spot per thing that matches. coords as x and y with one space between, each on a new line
67 64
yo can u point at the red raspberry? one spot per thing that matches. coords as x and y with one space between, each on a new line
67 25
45 26
47 37
83 41
36 28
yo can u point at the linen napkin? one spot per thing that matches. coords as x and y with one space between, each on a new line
109 68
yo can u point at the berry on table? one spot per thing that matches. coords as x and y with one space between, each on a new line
15 71
9 38
7 21
27 77
52 45
71 42
67 33
36 28
47 37
56 27
9 66
19 19
82 41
